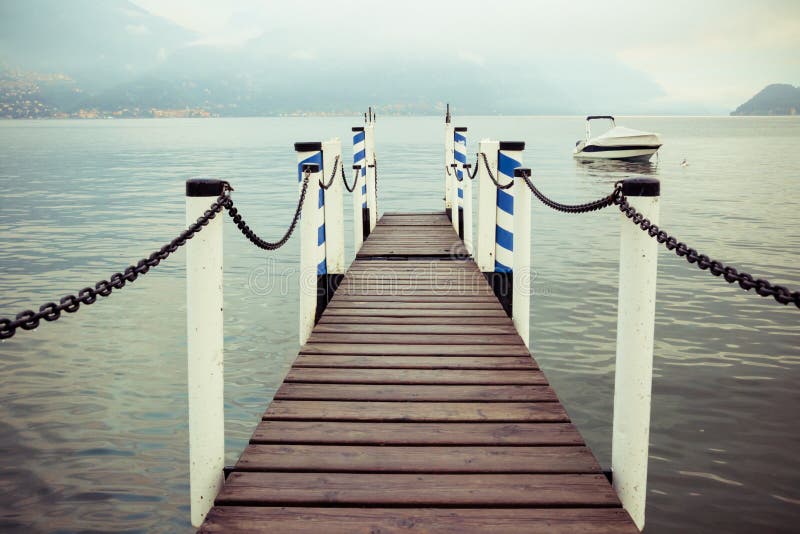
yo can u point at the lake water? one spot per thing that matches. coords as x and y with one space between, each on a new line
93 414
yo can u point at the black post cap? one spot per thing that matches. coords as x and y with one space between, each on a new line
308 146
512 145
460 129
357 128
310 167
204 187
519 172
641 187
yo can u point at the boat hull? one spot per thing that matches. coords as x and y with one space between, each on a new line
622 153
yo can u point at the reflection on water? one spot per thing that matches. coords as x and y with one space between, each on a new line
93 406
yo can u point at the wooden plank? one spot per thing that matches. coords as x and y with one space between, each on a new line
416 489
361 433
305 520
455 316
389 349
415 362
357 320
387 295
406 393
435 412
388 303
405 459
415 376
411 329
417 339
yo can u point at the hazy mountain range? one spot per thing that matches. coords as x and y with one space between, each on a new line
775 99
100 57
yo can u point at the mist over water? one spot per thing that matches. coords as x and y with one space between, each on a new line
93 407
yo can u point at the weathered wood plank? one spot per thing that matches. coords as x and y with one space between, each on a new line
405 459
304 520
421 339
407 393
324 327
416 489
415 376
357 320
415 362
435 412
361 433
389 349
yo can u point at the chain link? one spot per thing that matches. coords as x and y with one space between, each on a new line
355 181
253 237
375 159
491 175
447 169
28 319
746 281
598 204
333 174
474 173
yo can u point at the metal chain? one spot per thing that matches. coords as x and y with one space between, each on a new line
491 175
474 173
598 204
746 281
355 181
28 319
333 175
253 237
375 164
447 170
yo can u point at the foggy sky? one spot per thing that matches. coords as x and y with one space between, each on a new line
703 55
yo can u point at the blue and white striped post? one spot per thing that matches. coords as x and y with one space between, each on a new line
334 207
523 277
312 235
361 216
464 203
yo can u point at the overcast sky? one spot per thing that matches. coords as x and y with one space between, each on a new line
711 54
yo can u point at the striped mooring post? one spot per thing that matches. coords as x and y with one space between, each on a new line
361 217
321 231
204 341
503 252
464 189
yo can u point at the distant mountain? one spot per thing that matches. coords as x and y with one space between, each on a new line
96 58
775 99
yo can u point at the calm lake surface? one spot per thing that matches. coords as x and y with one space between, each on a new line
93 409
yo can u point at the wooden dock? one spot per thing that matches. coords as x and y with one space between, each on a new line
416 407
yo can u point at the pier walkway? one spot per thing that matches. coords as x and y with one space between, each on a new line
416 407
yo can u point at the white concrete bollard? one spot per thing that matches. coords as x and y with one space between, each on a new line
312 235
487 205
204 325
633 378
522 277
332 164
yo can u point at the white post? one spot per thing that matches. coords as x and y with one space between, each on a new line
638 254
521 297
360 192
312 235
334 206
204 343
464 191
372 195
487 205
448 162
454 185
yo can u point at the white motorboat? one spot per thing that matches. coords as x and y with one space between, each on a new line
619 143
